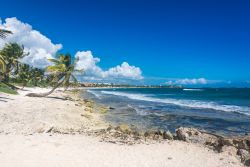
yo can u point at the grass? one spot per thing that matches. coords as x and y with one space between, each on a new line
6 89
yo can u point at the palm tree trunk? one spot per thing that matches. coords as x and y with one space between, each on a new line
10 85
47 93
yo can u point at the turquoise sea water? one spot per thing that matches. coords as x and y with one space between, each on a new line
223 111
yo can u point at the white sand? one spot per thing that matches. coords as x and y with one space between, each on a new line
23 143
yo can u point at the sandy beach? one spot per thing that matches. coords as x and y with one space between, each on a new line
53 131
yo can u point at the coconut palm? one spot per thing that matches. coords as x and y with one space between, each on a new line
2 67
4 33
37 75
62 71
10 56
24 74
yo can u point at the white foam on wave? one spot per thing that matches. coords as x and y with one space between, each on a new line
138 111
184 103
95 94
193 89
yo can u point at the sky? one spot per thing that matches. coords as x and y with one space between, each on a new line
195 43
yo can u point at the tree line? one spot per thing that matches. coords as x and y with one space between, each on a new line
14 72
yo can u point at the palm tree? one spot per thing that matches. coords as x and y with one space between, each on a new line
24 74
10 55
2 67
4 33
62 71
37 75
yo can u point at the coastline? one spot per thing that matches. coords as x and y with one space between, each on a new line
65 124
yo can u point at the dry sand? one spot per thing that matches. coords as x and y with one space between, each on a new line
24 142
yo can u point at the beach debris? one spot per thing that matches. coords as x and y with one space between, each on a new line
50 129
87 116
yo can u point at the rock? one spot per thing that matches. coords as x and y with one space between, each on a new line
153 134
247 162
195 136
111 108
88 109
226 142
89 104
167 135
182 134
244 155
103 110
109 128
159 132
242 142
123 128
230 150
146 134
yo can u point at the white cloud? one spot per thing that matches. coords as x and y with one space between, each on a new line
89 63
124 71
36 44
40 48
187 81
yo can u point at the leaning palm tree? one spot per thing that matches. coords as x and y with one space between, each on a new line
4 33
62 71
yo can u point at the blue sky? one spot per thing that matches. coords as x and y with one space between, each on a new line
167 40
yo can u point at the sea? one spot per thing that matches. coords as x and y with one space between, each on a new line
224 111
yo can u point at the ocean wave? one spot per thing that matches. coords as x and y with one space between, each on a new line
138 111
95 94
184 103
192 89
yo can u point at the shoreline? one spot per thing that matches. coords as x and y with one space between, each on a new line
66 115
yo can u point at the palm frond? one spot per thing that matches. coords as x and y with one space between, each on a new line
54 61
56 68
4 33
2 64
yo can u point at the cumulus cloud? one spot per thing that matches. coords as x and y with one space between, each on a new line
89 63
187 81
39 47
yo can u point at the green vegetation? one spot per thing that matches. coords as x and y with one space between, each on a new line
14 73
61 72
6 89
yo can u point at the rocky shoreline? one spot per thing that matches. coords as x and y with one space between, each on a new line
124 134
238 146
67 115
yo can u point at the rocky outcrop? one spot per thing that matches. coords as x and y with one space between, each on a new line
233 146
